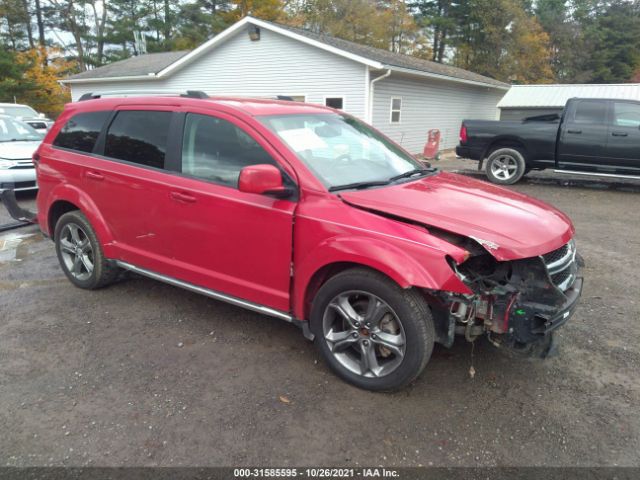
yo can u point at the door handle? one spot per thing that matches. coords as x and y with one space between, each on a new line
574 131
94 176
619 134
182 197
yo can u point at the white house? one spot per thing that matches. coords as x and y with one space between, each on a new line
402 96
522 101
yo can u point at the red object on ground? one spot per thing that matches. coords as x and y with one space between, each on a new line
433 144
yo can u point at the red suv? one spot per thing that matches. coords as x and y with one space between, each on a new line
306 214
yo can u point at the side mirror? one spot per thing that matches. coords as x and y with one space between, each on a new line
42 115
264 180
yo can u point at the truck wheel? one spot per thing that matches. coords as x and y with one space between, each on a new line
370 331
80 254
505 166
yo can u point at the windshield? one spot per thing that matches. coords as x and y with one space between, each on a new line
342 151
15 131
18 111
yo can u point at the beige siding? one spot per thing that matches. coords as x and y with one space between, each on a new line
275 65
428 104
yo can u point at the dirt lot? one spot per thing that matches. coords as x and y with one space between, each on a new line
142 373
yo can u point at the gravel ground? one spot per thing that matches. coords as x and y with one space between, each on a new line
142 373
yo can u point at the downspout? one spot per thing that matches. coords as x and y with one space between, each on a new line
371 89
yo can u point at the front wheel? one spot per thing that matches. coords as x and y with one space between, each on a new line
370 331
505 166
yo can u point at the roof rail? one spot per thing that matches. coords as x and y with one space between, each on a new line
187 94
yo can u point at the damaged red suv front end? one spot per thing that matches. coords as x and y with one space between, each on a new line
520 263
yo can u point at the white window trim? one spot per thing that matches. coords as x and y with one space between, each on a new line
391 110
344 101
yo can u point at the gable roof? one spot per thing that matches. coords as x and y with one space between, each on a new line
540 96
158 65
391 60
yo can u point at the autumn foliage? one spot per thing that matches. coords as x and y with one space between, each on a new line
43 68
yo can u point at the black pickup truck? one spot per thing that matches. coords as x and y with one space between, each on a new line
591 137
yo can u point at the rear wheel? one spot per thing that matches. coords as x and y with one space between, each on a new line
505 166
80 254
370 331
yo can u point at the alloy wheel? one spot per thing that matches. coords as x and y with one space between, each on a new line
76 251
364 334
504 167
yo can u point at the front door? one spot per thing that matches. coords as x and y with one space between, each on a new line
229 241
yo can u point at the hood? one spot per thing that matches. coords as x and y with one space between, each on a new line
18 150
509 225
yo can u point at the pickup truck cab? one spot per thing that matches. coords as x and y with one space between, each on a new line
592 136
308 215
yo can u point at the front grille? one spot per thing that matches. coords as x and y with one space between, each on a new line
556 254
21 164
18 185
561 277
561 265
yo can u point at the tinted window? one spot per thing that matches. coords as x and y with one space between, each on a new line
214 149
336 102
626 114
590 112
81 131
139 137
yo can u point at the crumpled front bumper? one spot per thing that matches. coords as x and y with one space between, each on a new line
539 310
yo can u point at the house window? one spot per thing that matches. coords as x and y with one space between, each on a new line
334 102
396 106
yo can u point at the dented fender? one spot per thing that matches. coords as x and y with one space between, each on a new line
409 265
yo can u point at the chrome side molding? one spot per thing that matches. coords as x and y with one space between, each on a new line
594 174
205 291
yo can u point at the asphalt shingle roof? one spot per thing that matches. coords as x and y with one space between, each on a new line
140 65
395 59
155 62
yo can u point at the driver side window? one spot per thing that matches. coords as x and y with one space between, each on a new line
626 114
216 150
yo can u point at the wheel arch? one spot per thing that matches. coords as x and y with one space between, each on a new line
67 198
506 142
338 255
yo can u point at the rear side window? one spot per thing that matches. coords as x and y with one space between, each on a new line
216 150
81 131
590 111
139 136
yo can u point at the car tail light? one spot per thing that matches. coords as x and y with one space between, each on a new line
463 134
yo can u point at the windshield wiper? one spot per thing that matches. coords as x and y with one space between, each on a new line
411 173
359 185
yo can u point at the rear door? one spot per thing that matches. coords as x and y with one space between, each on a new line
623 143
583 138
224 239
128 179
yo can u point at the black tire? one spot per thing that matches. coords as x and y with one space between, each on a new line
103 271
505 166
405 306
